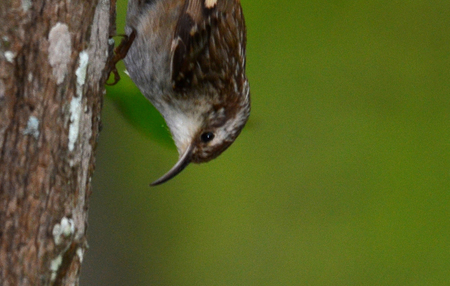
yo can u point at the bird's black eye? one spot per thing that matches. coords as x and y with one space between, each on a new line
207 136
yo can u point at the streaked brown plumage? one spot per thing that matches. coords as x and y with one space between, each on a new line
188 59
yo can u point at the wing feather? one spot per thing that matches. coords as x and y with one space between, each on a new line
192 35
208 47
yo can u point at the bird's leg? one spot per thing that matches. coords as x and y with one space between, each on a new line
120 52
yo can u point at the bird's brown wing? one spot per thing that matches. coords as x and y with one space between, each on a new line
209 41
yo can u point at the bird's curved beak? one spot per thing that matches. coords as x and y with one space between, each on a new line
182 163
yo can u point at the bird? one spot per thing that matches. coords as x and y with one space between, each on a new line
188 58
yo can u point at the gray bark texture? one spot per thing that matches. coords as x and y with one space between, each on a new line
53 67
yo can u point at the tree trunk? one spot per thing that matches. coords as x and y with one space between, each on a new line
53 57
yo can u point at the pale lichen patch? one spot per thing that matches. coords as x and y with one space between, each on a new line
80 253
10 56
54 266
32 127
64 229
59 50
26 5
76 102
81 70
74 127
62 232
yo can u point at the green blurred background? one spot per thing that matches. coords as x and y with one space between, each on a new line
342 176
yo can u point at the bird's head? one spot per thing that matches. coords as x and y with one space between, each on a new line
204 132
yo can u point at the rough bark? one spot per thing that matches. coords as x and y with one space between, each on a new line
53 56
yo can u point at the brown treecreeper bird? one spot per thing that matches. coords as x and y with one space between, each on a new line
188 58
